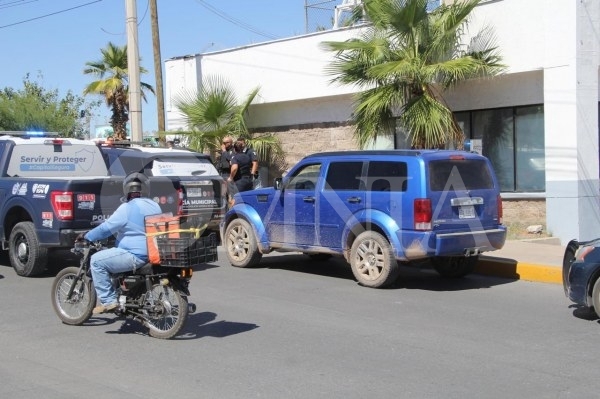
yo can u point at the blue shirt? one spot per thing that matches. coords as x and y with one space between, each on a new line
127 222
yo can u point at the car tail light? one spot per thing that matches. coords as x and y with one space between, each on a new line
581 253
422 214
224 189
500 212
180 201
62 204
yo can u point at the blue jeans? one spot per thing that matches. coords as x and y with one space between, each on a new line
107 262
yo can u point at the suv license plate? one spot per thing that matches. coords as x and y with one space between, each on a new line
194 191
466 212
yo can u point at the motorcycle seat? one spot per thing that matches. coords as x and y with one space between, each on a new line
145 270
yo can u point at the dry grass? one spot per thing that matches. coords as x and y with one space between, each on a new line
518 231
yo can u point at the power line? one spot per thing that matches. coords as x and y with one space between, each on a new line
235 21
48 15
15 3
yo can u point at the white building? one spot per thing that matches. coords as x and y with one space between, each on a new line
538 122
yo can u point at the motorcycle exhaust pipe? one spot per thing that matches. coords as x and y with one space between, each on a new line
191 307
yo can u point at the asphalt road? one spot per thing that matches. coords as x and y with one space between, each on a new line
295 329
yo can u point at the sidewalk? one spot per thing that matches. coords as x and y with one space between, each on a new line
532 260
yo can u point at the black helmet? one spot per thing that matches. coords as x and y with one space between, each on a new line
135 185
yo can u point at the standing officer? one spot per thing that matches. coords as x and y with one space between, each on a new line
224 164
241 166
253 159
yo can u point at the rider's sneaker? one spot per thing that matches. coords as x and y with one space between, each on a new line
105 308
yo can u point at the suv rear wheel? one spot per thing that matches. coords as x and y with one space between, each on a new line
372 260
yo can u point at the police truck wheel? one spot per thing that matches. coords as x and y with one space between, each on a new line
24 252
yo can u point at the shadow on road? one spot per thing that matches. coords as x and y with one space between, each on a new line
57 260
198 325
584 313
421 276
203 324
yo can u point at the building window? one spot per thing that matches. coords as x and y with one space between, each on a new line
529 149
513 140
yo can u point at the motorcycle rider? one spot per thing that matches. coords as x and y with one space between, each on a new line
130 252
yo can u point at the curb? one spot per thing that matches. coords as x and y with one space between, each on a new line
510 268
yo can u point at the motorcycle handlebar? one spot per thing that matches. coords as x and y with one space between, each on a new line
81 245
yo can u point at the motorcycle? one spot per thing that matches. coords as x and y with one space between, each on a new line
155 295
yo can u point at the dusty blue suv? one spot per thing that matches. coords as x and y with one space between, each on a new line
376 209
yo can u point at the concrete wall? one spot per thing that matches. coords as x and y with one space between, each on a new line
296 68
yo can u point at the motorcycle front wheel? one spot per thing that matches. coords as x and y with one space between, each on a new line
77 309
166 317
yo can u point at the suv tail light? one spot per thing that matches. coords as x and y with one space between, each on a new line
422 214
62 204
500 214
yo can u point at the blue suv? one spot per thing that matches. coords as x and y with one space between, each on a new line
376 209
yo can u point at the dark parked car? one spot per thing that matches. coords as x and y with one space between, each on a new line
183 182
581 273
375 208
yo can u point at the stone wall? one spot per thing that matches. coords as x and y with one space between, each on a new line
299 142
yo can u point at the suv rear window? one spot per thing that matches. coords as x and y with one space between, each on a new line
387 176
56 160
183 166
463 174
124 163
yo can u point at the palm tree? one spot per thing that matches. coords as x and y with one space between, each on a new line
213 112
404 60
113 85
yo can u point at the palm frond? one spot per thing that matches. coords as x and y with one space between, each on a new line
398 61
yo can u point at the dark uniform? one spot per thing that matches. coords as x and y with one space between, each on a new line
242 178
253 160
224 164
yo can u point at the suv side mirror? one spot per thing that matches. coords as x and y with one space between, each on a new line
277 183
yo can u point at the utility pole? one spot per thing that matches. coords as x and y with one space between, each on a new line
160 98
133 66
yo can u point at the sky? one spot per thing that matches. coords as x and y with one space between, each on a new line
51 40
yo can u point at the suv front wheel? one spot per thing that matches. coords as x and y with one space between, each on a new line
372 260
240 243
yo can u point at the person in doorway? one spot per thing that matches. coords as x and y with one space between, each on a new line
240 177
130 252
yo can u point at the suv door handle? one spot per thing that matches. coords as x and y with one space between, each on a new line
354 200
309 199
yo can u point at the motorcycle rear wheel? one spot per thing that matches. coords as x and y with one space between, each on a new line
169 314
78 309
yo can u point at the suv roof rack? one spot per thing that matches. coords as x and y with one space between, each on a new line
28 134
